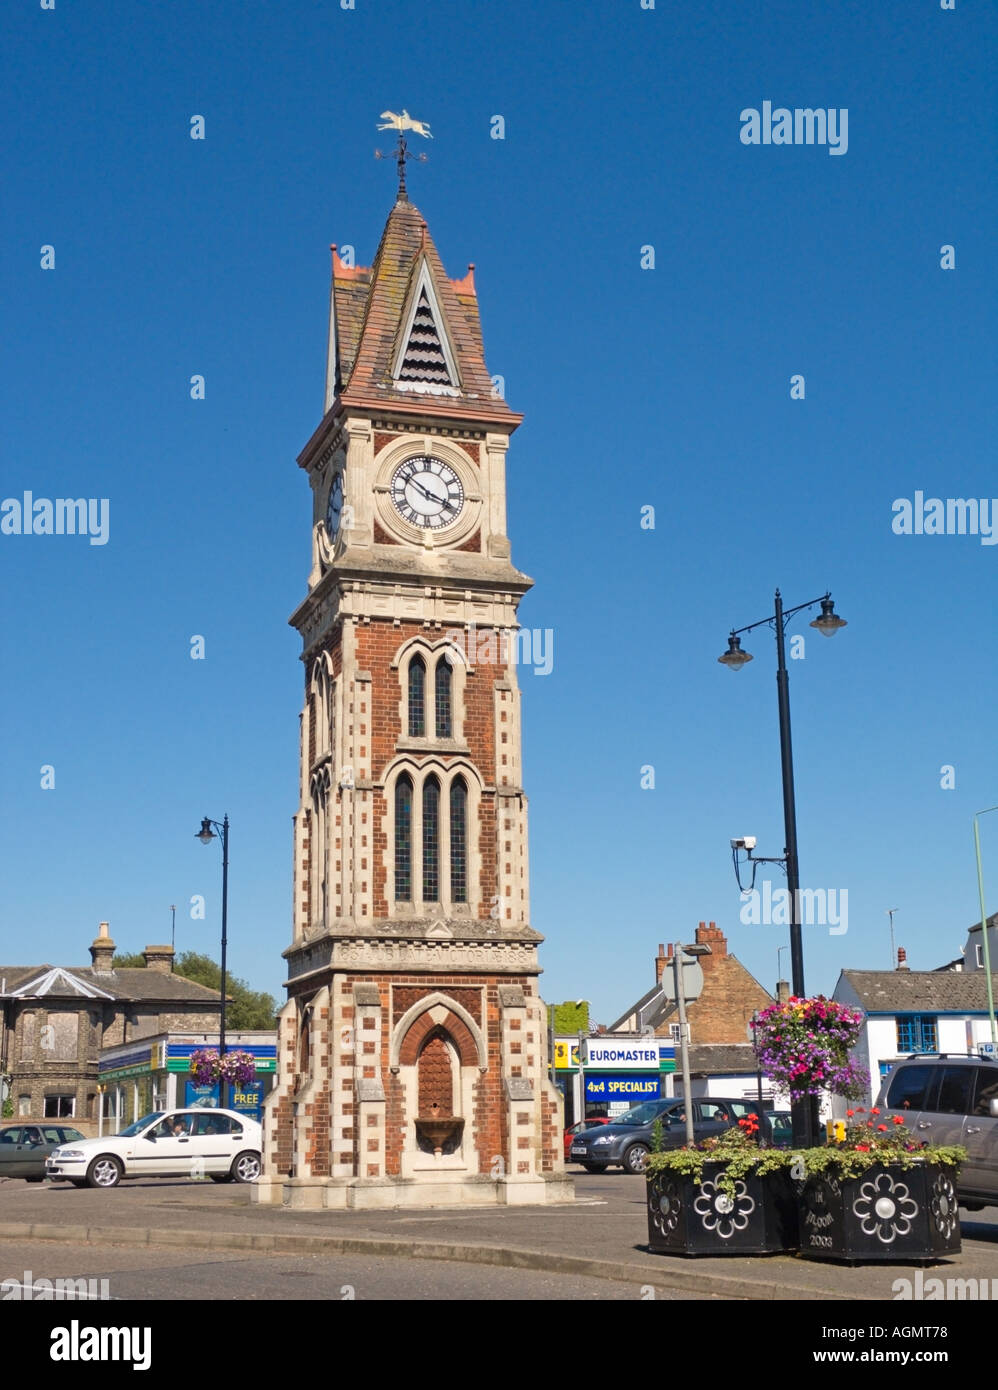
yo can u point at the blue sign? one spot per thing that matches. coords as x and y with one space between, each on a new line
195 1095
621 1086
247 1099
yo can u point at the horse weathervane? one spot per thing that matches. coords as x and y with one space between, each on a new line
403 123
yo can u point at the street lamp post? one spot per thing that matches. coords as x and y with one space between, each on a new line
734 658
984 925
206 834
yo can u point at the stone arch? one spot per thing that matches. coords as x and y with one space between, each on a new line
437 1011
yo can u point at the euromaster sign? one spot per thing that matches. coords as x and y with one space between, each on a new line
622 1056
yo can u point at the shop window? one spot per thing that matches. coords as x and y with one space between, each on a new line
60 1107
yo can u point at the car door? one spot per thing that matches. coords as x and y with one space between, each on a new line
710 1118
29 1158
950 1106
161 1153
911 1094
980 1136
10 1151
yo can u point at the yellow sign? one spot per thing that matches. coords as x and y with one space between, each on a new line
566 1054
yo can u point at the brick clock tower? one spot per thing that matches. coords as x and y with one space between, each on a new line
412 1048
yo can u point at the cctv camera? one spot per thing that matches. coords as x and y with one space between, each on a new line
749 842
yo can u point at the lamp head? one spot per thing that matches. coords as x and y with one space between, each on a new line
734 658
205 834
829 622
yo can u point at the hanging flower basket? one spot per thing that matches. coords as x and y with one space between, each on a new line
207 1067
803 1047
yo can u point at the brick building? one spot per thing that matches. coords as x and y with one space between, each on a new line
412 1049
56 1019
731 995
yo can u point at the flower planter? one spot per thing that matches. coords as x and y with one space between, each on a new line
687 1217
887 1213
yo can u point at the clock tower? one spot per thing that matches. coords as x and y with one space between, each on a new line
412 1051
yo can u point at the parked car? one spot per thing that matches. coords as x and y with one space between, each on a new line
25 1147
629 1139
951 1099
219 1144
579 1126
782 1128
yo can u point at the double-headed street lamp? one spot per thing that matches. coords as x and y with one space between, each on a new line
206 834
828 624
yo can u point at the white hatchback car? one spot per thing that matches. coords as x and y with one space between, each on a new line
217 1144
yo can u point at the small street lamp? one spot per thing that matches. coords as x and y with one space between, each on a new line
828 624
206 834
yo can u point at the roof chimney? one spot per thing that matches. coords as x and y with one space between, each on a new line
710 934
782 991
159 958
903 959
102 949
661 960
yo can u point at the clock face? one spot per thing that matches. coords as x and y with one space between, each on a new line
334 507
427 492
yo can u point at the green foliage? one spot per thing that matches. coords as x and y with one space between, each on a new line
248 1009
741 1156
8 1109
121 961
656 1135
571 1018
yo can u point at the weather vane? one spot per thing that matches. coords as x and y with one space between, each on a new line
403 123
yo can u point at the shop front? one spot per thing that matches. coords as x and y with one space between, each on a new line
604 1076
155 1074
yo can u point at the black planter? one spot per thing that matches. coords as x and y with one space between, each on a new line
686 1217
888 1213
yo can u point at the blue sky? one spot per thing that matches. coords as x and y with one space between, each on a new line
667 387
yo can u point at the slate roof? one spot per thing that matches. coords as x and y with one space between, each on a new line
371 307
914 991
134 984
721 1059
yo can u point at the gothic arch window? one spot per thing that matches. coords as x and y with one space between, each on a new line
403 839
442 698
417 697
322 706
431 840
459 841
318 848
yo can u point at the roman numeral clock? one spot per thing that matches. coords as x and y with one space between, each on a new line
413 1044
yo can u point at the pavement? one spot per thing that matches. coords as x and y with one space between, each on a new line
602 1235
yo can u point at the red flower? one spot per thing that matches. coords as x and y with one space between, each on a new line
882 1128
862 1148
898 1120
874 1110
849 1114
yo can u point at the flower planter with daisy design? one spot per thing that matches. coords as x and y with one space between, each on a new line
726 1196
877 1194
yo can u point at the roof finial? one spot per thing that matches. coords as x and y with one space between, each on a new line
402 123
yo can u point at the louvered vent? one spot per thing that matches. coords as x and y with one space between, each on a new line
424 358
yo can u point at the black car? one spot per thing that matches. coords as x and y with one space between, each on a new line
628 1140
25 1147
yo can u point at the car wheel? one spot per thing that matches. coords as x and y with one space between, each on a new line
636 1158
594 1167
245 1167
105 1171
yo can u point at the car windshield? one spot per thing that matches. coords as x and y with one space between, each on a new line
640 1115
140 1125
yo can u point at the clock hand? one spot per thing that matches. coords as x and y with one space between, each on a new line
430 496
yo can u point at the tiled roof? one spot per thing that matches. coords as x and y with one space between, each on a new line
372 306
721 1059
135 984
911 991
